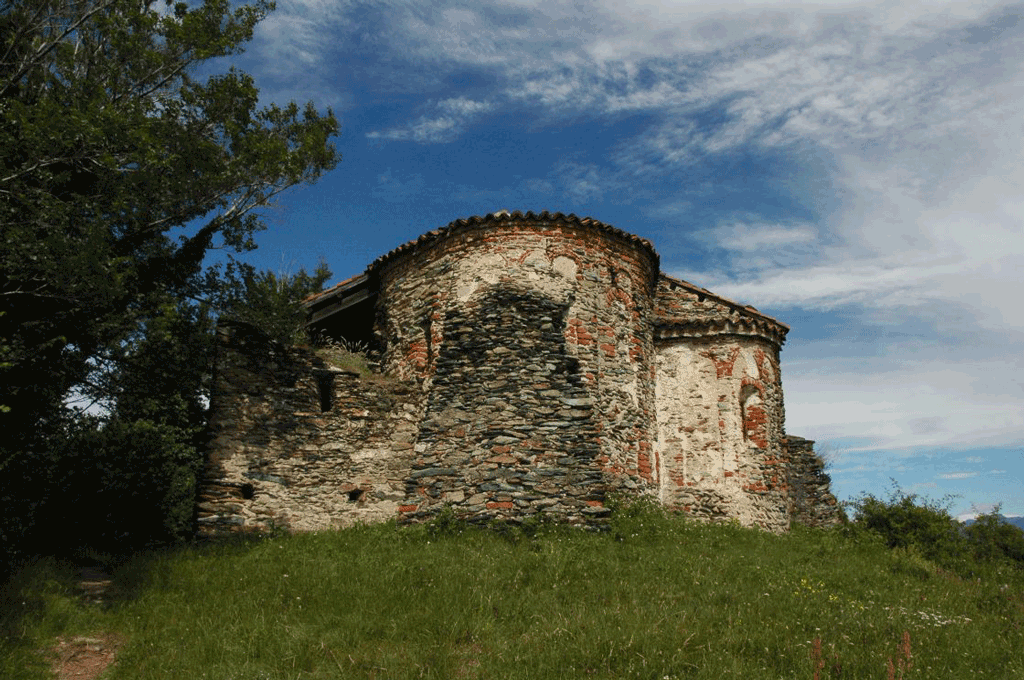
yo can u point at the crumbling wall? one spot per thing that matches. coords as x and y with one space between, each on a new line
534 363
300 445
812 502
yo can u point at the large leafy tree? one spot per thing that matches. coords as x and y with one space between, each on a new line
119 169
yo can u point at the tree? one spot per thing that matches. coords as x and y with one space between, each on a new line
271 301
118 172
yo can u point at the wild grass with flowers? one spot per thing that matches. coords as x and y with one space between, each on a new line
655 596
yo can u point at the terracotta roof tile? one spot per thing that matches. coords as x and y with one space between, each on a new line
505 216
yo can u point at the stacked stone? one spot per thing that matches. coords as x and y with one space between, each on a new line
510 428
300 445
810 494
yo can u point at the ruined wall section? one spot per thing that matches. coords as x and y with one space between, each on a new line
720 409
532 336
300 445
811 499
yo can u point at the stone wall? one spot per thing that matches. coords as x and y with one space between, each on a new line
532 335
720 408
532 363
298 444
720 420
812 501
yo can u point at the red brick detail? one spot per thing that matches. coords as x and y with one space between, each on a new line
618 295
755 422
753 382
596 504
765 366
723 364
499 505
407 508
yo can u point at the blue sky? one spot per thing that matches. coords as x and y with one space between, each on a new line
853 169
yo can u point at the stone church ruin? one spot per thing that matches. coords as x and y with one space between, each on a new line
530 363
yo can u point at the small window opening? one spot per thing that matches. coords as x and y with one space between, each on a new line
248 492
325 381
355 495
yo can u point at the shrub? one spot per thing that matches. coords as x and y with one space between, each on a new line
112 488
911 521
993 539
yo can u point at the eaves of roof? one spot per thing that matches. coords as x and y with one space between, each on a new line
742 320
504 216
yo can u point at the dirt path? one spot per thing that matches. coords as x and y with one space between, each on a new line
84 658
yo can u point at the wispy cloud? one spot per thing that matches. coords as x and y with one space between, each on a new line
443 124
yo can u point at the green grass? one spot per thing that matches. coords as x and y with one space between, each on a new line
340 356
653 598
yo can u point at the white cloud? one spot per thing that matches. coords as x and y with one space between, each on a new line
958 475
746 237
443 126
904 398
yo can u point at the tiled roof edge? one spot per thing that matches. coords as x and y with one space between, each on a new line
747 327
435 235
338 287
742 309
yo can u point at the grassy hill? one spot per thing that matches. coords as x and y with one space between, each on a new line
654 597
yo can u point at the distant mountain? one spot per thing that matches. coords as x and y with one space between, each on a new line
1016 521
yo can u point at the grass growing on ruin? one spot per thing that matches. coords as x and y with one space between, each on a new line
348 356
656 597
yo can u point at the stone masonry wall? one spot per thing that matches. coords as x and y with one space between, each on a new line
533 338
812 501
720 415
300 445
532 364
720 408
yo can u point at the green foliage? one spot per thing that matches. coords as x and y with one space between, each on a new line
269 301
924 535
345 355
994 540
909 521
637 518
135 486
119 171
115 487
161 373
